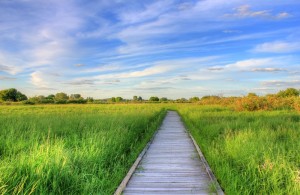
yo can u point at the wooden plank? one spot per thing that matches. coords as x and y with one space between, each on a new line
171 164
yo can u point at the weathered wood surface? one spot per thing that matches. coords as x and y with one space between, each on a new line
171 165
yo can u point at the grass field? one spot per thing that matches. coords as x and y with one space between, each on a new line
71 149
250 152
88 149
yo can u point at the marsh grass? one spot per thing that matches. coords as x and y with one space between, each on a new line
88 149
249 152
71 149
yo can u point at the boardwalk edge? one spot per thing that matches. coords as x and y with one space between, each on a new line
207 168
123 184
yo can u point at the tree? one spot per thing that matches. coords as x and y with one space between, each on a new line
113 99
140 98
135 98
12 95
75 96
194 99
21 97
289 92
163 99
90 99
252 95
181 100
154 99
119 99
50 97
61 98
210 97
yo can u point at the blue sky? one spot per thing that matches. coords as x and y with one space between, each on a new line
166 48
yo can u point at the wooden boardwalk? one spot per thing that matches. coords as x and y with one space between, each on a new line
171 165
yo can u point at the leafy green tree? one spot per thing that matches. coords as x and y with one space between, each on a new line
119 99
154 99
90 99
61 98
75 96
140 98
163 99
50 97
182 100
12 95
135 98
21 96
194 99
289 92
113 99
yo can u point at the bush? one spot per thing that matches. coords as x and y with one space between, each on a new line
252 103
28 102
297 104
78 101
60 102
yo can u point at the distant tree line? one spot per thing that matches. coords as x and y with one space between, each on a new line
288 98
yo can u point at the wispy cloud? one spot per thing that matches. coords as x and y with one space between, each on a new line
215 68
82 82
249 64
245 11
79 65
231 31
42 79
267 70
117 47
7 78
282 84
277 47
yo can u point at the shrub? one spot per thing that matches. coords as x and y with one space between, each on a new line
28 102
78 101
252 103
297 104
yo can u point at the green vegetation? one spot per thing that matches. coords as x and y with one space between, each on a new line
12 95
71 149
251 142
249 152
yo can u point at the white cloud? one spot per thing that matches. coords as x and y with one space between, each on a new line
215 68
150 12
42 36
142 73
277 47
231 31
37 79
282 83
267 70
79 65
9 63
7 78
283 15
244 11
250 63
44 79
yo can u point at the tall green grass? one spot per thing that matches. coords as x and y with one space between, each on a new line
249 152
71 149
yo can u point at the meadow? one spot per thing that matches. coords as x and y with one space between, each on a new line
249 152
71 149
88 149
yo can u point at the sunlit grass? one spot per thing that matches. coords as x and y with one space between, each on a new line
71 149
250 152
88 149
